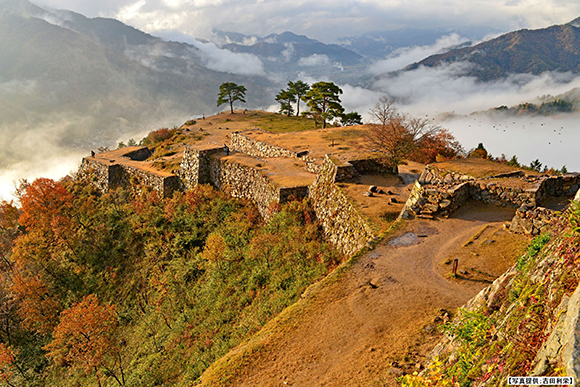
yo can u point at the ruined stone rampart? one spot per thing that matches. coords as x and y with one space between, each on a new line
432 175
439 192
131 176
105 177
443 199
341 222
262 149
140 154
249 146
101 175
243 182
532 221
566 185
429 201
195 168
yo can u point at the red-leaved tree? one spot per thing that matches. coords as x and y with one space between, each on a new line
87 339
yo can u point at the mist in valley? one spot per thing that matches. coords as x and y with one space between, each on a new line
54 111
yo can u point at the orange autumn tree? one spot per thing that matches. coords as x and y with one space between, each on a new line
45 204
7 360
37 308
86 339
42 202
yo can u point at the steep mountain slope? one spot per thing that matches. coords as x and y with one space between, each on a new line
90 80
556 48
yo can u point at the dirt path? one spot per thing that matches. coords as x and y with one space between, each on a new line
379 318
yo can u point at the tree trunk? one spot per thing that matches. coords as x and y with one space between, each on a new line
298 108
232 107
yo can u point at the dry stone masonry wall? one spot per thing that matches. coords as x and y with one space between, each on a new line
532 221
262 149
105 177
195 166
241 181
97 173
249 146
427 201
244 182
342 223
440 192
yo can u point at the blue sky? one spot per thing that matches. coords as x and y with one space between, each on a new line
325 20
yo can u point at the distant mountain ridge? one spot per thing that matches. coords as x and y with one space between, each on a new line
290 48
88 81
380 44
555 48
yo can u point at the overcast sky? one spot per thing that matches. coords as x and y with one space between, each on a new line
324 20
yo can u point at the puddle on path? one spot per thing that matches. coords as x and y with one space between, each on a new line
406 239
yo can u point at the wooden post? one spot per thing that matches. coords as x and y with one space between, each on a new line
455 264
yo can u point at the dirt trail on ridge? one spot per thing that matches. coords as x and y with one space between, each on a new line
379 319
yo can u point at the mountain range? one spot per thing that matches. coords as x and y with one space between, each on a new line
91 80
68 80
556 48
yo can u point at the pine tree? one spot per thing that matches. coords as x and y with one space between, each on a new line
231 92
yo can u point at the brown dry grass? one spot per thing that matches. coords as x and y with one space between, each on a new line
377 317
478 168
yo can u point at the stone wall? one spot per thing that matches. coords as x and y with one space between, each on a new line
256 148
105 177
130 176
428 201
343 225
194 168
99 174
432 175
245 182
532 221
241 181
371 165
261 149
566 185
500 195
140 154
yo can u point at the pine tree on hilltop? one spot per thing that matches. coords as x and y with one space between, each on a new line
231 92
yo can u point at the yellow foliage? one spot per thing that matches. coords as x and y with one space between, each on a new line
214 248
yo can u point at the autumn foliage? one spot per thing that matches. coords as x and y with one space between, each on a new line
132 289
399 136
86 337
6 363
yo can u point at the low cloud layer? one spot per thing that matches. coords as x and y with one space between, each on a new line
223 60
405 56
447 89
314 60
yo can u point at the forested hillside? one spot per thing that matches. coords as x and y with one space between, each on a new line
556 48
129 289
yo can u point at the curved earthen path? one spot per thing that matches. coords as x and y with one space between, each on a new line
378 319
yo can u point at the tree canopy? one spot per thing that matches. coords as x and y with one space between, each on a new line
323 99
128 288
400 136
298 89
231 92
285 98
350 119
